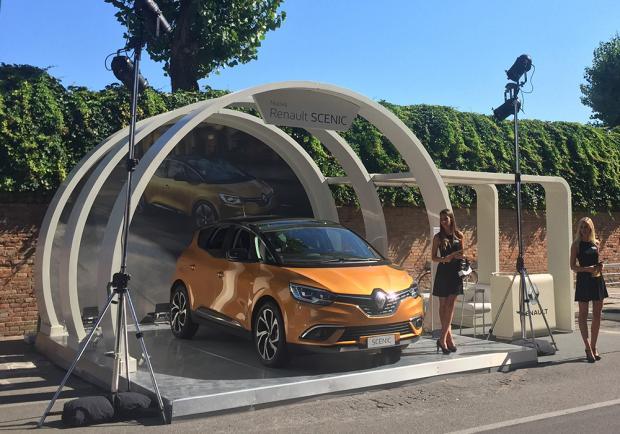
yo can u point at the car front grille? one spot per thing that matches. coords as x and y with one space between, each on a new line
262 200
368 305
354 333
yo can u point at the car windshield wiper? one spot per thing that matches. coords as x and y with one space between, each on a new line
352 259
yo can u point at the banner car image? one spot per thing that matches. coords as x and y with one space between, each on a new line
294 282
207 189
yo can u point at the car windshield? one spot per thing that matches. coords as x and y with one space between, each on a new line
218 171
320 245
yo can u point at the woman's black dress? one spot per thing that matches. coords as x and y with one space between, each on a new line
447 279
588 287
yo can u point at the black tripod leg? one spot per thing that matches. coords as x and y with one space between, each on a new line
526 300
126 349
542 312
116 369
83 346
499 311
146 357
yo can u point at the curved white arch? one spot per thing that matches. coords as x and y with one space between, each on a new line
45 303
372 210
70 307
43 289
310 176
420 164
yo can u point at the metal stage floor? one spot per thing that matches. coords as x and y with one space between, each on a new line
215 371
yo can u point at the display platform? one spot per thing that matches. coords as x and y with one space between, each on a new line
216 371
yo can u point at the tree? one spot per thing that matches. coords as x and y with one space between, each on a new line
206 35
602 91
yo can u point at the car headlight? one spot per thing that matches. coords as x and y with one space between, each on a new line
307 294
413 290
230 199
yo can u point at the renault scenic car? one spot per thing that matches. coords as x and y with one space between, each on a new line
207 190
294 283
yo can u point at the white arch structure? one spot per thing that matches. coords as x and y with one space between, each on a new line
106 156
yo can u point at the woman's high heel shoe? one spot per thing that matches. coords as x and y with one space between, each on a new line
452 348
596 355
590 357
444 350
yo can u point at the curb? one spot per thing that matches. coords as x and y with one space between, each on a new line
612 314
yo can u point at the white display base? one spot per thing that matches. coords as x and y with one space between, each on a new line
215 372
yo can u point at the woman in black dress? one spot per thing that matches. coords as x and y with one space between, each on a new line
590 286
447 249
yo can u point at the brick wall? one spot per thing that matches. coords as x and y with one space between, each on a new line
408 243
19 226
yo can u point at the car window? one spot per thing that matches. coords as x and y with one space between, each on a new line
307 245
192 175
162 170
243 240
262 252
216 245
203 237
176 169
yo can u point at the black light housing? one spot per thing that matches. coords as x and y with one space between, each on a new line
152 16
522 65
122 67
506 109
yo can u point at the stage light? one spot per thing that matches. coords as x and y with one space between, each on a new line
122 67
152 16
506 109
522 65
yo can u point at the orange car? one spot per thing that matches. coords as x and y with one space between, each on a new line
294 282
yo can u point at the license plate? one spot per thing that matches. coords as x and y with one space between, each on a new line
380 341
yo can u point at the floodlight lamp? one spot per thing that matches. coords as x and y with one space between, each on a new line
122 67
506 109
153 18
522 65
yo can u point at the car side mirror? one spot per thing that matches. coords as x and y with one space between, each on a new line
238 255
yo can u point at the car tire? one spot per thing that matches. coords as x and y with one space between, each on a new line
203 213
181 322
269 335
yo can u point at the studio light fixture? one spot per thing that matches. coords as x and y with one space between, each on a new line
150 22
122 67
528 292
522 65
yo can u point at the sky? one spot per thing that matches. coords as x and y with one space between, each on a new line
443 52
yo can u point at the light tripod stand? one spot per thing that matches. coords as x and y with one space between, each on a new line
120 294
528 292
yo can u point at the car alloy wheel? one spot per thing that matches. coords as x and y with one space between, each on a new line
269 335
180 318
204 214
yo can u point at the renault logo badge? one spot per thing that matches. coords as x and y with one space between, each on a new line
380 298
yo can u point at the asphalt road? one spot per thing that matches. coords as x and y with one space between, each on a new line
562 394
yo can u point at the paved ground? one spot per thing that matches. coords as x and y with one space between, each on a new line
560 382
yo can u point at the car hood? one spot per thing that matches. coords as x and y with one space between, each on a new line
251 188
354 280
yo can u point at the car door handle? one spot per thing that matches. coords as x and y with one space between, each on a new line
220 274
192 267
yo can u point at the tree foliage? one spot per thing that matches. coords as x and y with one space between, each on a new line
207 35
602 90
46 129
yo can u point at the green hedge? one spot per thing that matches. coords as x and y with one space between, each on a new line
45 129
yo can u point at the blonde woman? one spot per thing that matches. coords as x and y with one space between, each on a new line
447 250
590 286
